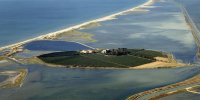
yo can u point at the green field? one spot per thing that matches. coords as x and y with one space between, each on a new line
147 53
74 59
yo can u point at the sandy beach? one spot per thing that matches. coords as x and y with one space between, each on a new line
159 64
162 62
54 34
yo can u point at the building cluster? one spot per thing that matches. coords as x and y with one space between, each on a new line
119 51
87 51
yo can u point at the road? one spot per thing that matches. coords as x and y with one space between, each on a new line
157 92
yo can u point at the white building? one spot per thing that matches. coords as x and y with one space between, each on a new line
86 51
83 51
105 51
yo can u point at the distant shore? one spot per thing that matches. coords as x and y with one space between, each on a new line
55 34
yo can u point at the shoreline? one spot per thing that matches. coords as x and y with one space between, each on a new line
14 80
54 34
160 62
167 90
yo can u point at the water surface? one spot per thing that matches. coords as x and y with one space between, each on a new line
44 83
24 19
162 28
3 78
48 45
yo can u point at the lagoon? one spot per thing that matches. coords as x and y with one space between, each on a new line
44 83
48 45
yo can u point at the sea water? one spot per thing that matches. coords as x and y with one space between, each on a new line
25 19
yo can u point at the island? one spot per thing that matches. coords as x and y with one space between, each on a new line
111 58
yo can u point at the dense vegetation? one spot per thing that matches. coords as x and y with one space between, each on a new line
150 54
75 59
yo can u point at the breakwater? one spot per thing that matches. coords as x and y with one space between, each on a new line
195 31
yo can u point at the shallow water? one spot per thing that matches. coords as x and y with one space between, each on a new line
192 7
24 19
3 78
40 47
48 45
162 28
44 83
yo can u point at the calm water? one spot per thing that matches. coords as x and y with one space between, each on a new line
162 28
48 45
40 47
44 83
24 19
3 78
193 9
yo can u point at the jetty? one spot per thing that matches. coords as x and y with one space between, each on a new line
195 31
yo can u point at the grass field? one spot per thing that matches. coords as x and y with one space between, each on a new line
73 58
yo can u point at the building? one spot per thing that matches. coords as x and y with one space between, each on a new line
119 51
83 51
86 51
104 51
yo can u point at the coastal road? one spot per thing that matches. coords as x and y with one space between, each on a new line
167 90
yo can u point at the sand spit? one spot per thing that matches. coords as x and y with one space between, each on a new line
54 34
15 78
162 62
159 64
